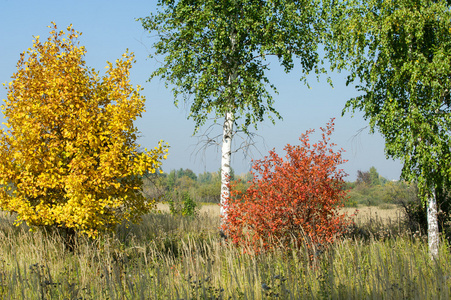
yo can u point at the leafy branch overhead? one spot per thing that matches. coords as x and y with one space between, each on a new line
215 52
399 51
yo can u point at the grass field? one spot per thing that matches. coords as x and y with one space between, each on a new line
174 257
392 212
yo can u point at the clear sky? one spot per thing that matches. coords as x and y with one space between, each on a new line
109 28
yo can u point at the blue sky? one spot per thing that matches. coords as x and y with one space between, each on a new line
109 28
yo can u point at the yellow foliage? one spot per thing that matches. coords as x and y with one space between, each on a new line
68 156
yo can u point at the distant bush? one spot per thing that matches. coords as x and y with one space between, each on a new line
209 192
182 204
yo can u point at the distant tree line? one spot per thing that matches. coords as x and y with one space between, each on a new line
372 189
202 188
369 189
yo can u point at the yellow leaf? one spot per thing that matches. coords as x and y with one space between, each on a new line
73 155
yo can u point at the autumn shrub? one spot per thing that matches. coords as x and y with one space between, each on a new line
182 204
68 156
295 199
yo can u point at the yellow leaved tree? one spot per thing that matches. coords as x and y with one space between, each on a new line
68 154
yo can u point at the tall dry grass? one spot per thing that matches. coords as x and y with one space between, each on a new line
168 257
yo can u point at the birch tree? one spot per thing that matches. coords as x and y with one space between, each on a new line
399 53
215 58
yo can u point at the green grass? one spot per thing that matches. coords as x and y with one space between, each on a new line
168 257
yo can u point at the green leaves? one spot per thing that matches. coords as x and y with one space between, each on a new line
215 52
398 51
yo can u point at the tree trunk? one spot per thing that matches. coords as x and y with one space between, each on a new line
226 152
433 234
227 135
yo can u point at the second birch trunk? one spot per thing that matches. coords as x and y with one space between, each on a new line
433 234
226 152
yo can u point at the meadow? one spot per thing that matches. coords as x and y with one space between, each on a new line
177 257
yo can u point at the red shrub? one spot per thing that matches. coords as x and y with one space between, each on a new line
293 198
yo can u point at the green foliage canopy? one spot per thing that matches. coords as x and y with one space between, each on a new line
215 52
398 53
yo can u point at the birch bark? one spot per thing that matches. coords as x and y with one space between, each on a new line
226 153
227 135
433 234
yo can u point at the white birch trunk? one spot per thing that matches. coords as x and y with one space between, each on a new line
433 234
226 152
227 135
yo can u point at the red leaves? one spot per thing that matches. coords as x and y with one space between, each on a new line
292 198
